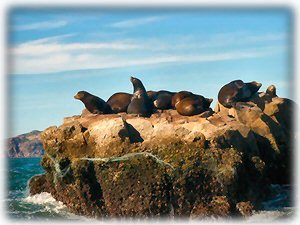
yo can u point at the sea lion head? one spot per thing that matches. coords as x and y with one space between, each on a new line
137 86
271 90
258 85
135 80
203 102
253 86
132 79
81 95
207 102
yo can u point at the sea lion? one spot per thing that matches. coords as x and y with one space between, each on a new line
161 99
152 95
193 105
140 103
237 91
119 102
271 90
93 103
179 96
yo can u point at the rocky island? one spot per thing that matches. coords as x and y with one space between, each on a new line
219 163
25 145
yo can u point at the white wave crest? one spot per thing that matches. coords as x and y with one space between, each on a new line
51 205
268 216
46 199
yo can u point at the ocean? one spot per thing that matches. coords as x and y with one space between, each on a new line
21 206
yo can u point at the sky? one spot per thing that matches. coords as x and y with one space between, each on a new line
56 52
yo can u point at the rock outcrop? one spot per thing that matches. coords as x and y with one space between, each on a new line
214 164
25 145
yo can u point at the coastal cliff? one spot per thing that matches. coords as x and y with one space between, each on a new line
25 145
218 163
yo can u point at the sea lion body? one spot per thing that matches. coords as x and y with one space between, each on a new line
93 103
161 99
152 95
119 102
193 105
179 96
237 91
140 103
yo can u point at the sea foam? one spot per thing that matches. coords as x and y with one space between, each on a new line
274 215
44 198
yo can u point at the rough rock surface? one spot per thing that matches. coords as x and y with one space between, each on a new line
214 164
25 145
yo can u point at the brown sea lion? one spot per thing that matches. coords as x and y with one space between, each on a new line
271 90
193 105
93 103
119 102
161 99
140 103
152 95
237 91
179 96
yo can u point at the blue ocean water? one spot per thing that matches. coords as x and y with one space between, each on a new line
43 206
22 206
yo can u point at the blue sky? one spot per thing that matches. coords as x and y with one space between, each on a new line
54 53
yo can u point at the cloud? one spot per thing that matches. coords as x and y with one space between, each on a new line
51 45
51 39
41 25
64 62
240 38
52 54
42 49
219 40
135 22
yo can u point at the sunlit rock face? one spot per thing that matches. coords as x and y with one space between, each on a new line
214 164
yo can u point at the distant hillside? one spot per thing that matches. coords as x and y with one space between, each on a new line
25 145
